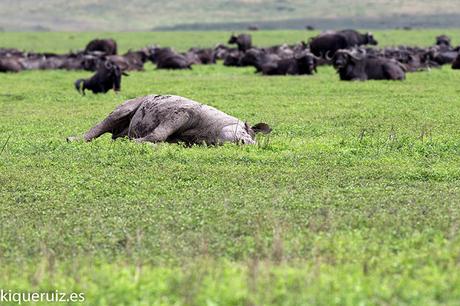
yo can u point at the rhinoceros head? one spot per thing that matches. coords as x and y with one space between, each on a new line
242 132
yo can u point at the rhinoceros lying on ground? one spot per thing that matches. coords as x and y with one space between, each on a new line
158 118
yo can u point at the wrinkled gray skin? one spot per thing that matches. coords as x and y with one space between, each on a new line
157 118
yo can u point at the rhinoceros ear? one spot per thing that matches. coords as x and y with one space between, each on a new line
261 128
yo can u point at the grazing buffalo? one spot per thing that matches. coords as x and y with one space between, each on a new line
108 76
108 46
329 42
166 58
243 41
352 66
300 64
356 39
456 63
158 118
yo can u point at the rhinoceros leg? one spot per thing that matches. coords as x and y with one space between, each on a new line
169 125
119 116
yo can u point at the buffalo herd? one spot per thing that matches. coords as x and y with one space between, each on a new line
354 55
162 118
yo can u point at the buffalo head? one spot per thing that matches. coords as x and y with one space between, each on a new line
108 76
370 39
233 39
443 40
343 57
307 60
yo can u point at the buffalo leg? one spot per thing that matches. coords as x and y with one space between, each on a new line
392 74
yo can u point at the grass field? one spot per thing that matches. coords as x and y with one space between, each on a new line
354 199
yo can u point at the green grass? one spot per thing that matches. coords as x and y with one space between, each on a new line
64 41
353 199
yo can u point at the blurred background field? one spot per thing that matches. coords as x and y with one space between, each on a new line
145 15
62 42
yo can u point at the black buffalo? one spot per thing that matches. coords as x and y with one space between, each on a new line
441 54
80 61
108 76
256 57
233 58
352 66
11 52
166 58
137 59
131 60
108 46
443 40
206 56
302 63
10 64
221 51
328 43
413 58
456 63
356 39
243 41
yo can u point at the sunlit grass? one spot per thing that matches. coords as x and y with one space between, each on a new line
354 198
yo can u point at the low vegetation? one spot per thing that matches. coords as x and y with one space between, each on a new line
354 199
